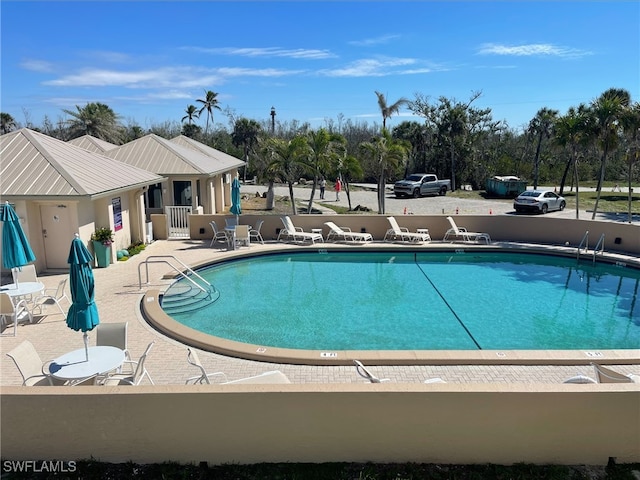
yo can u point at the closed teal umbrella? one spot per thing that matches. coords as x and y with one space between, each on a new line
236 208
83 313
16 250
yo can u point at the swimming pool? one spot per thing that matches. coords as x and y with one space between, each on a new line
464 300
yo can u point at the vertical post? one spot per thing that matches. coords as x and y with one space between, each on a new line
273 120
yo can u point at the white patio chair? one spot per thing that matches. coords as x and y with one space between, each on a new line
136 377
52 296
26 273
13 312
218 235
30 366
254 233
241 235
114 335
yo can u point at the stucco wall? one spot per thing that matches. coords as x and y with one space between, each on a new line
534 229
445 423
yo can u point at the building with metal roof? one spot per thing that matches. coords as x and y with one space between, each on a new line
60 189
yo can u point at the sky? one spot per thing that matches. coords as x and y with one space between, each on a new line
314 62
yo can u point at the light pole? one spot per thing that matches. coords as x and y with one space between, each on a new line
273 120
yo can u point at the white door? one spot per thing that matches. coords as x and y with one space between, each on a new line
56 228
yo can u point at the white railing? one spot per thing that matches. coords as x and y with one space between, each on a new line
178 221
585 242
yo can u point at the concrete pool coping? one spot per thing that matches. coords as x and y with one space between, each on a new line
156 317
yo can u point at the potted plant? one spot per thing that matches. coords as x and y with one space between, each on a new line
102 239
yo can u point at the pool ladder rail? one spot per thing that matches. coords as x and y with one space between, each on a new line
192 294
599 248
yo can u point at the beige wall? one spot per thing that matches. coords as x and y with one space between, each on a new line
545 230
439 423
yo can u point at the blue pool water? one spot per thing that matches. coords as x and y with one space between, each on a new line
422 301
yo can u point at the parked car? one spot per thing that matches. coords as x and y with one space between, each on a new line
540 201
419 184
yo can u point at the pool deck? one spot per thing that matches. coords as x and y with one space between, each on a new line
118 297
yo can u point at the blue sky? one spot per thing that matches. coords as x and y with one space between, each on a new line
312 61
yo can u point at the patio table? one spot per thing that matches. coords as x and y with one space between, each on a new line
74 366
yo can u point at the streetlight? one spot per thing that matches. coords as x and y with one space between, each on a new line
273 120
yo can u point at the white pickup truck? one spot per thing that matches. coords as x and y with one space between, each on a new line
419 184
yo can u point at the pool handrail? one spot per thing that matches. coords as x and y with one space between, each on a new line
189 270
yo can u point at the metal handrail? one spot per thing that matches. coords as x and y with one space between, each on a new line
600 246
163 259
585 241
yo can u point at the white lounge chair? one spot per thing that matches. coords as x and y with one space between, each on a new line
461 233
273 376
365 373
396 232
606 375
194 359
337 233
296 234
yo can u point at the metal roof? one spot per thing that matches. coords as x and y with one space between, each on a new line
36 165
225 160
170 158
92 144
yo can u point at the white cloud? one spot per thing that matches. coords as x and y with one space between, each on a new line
309 54
531 49
368 42
375 68
37 66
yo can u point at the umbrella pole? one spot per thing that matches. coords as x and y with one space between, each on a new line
14 273
86 345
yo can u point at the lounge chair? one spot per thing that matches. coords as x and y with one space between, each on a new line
461 233
606 375
30 365
365 373
337 233
193 359
273 376
296 234
13 312
396 232
580 379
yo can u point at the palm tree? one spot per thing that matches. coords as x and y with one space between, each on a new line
245 134
209 103
97 120
388 110
570 131
7 123
631 127
191 113
287 160
386 154
541 127
322 146
608 110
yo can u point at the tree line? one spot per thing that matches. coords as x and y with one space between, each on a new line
594 142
